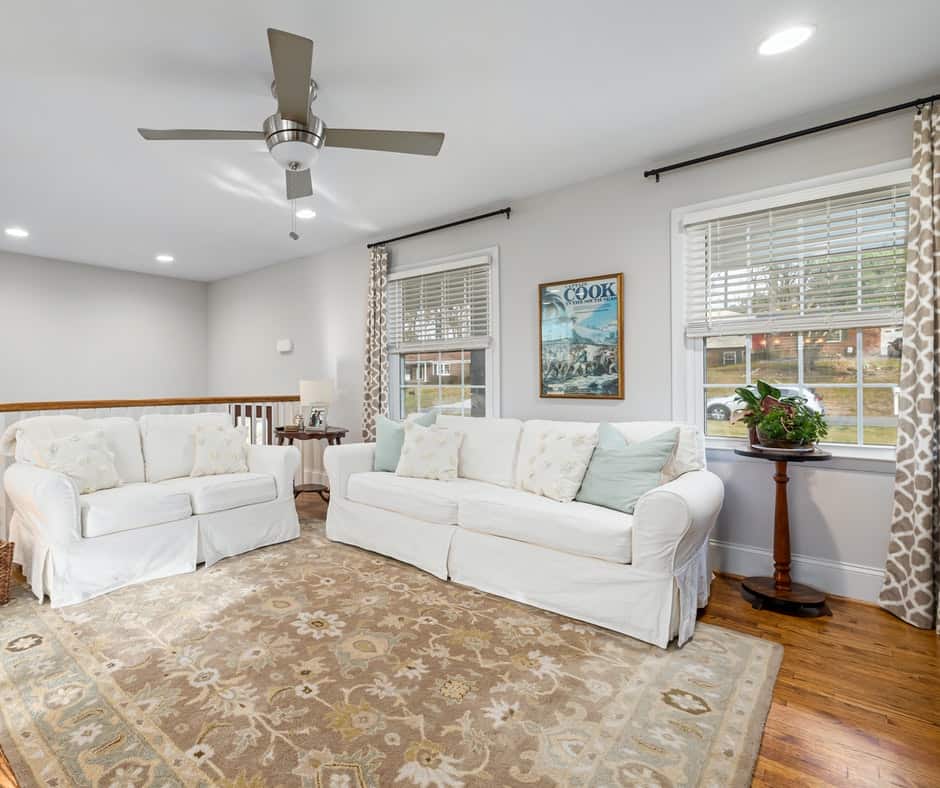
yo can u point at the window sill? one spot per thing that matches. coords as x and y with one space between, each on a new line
873 459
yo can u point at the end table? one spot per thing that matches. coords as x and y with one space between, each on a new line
332 435
780 592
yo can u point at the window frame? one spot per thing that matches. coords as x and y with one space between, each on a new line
491 350
688 354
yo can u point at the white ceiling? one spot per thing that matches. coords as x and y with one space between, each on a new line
532 95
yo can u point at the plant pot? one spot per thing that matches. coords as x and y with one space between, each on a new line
752 438
770 443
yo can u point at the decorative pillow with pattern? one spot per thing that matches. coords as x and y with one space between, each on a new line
84 457
557 467
220 450
429 452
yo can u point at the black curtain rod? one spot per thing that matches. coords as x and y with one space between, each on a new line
489 215
791 136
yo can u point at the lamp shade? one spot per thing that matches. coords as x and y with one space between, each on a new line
316 392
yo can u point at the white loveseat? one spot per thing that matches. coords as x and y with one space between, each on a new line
643 574
158 522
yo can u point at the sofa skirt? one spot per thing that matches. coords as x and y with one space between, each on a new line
236 531
653 608
87 568
421 544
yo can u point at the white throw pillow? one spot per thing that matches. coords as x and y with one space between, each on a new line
429 452
557 466
220 450
84 457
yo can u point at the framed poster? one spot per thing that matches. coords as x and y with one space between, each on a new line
581 338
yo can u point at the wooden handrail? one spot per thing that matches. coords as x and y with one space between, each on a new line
21 407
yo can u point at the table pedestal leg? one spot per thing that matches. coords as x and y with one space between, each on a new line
780 592
782 580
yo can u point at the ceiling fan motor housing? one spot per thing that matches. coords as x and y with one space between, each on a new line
294 146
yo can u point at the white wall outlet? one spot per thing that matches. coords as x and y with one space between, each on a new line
285 346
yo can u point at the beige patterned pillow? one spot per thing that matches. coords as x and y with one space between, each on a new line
220 450
557 467
429 452
84 457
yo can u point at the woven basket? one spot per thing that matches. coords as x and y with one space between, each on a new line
6 570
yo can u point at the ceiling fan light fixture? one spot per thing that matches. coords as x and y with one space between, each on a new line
786 39
294 155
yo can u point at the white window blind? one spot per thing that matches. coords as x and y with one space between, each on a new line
829 263
440 309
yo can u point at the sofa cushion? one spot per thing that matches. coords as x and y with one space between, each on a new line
169 444
489 448
390 437
576 528
621 472
121 434
429 452
225 491
430 500
558 463
84 457
220 449
131 506
690 449
531 440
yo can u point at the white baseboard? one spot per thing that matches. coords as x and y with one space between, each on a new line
834 577
315 477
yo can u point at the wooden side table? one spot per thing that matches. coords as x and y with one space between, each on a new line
332 435
780 592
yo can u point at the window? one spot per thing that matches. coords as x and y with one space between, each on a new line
806 294
442 337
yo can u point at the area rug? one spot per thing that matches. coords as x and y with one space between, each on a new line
317 664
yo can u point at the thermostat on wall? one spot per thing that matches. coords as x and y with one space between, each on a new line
284 346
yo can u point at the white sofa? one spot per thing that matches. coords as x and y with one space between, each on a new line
643 574
158 522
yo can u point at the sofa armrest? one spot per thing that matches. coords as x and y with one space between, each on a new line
281 462
673 521
341 462
47 500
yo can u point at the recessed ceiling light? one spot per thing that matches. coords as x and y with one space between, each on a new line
164 258
786 39
17 232
306 213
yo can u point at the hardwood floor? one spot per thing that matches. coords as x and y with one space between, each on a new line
857 700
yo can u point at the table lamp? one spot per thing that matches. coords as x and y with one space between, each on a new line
316 395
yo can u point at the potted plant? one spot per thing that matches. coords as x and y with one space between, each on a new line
778 422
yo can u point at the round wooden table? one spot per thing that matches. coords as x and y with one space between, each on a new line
332 435
780 592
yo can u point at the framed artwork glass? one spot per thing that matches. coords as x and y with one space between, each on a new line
581 338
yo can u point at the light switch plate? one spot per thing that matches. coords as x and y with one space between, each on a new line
284 346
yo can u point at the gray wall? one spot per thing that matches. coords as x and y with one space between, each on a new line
615 223
77 331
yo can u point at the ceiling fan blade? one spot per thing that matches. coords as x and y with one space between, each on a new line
299 184
199 134
424 143
292 58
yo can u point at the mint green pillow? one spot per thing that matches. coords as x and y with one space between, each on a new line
620 472
390 437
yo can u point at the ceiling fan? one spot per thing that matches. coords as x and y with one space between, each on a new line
294 135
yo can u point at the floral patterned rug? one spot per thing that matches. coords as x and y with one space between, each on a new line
317 664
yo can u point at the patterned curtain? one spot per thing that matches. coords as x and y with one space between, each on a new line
912 574
375 375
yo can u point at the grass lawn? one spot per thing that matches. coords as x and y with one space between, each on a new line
840 433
